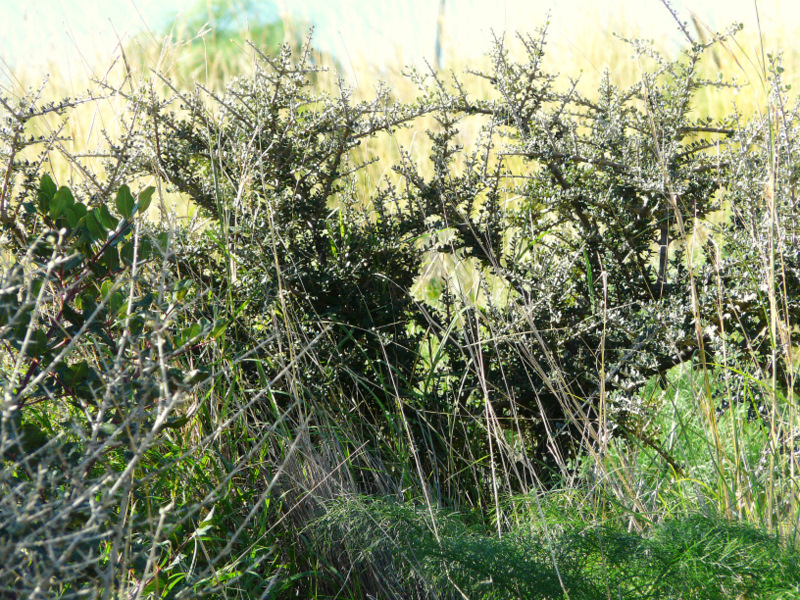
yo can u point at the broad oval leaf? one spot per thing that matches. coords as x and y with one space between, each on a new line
95 228
125 202
62 200
47 189
145 196
106 218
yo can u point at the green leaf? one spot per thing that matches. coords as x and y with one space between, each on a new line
71 315
196 376
62 201
125 202
72 452
145 248
95 228
108 429
106 288
206 524
37 344
135 324
32 437
181 288
76 374
162 241
174 423
191 333
110 259
70 217
156 586
126 252
87 302
106 218
47 189
47 186
145 196
99 269
116 302
219 328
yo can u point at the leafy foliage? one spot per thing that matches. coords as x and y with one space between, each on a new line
601 273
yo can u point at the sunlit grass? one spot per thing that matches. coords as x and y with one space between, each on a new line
187 52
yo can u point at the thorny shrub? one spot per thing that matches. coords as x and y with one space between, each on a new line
611 273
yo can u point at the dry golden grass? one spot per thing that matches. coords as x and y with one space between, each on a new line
584 53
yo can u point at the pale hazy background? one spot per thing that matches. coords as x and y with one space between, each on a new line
75 32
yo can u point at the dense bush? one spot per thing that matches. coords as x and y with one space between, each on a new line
100 492
609 194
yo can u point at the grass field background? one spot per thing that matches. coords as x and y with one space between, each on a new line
583 43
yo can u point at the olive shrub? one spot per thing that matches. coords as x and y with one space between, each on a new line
611 270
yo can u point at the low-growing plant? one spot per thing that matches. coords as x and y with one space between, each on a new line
438 555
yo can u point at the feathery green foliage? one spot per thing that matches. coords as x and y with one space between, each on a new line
692 557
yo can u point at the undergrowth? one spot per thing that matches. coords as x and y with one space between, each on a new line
696 556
